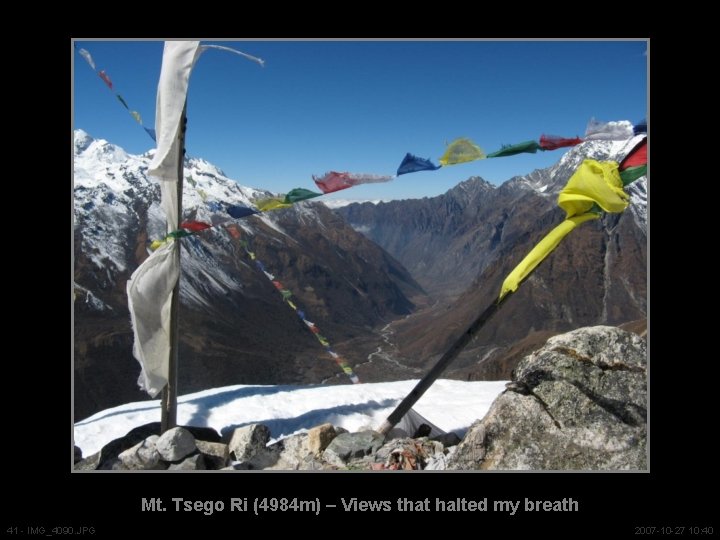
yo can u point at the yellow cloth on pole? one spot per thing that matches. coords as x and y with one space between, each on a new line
594 182
540 251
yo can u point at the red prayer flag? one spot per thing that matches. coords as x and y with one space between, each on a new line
334 181
105 78
194 226
636 157
553 142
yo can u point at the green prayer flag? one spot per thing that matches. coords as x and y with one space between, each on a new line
632 173
300 194
529 147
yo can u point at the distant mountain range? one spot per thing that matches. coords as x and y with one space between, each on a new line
459 246
389 284
235 328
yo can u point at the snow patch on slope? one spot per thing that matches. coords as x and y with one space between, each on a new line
288 409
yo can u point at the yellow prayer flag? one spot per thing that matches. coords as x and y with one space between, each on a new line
594 182
156 244
272 203
540 251
461 151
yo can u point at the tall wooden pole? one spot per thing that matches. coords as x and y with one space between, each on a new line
168 417
447 358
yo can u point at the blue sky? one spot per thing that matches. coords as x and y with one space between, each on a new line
360 106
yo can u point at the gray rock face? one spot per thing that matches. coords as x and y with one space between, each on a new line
216 454
143 456
175 444
89 463
249 441
320 437
291 453
77 454
579 402
347 446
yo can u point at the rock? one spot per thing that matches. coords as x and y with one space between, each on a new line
288 454
248 446
249 441
192 463
347 446
175 444
216 454
143 456
299 452
115 447
113 464
90 463
581 404
320 437
77 455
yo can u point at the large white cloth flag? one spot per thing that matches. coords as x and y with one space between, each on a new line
150 287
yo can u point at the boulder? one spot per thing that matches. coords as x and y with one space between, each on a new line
320 437
348 446
143 456
289 453
577 403
216 454
110 452
248 446
89 463
175 444
249 441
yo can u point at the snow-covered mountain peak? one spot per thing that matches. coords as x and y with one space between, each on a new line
205 167
98 148
549 182
117 210
82 140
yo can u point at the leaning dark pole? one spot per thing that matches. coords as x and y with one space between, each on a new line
447 358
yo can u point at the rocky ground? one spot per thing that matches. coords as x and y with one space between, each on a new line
577 403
